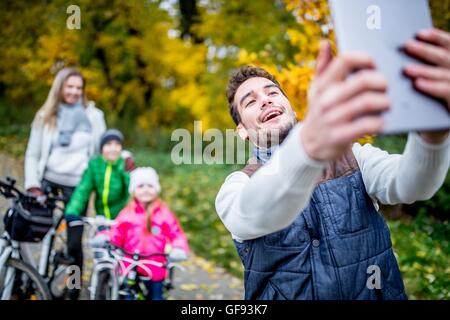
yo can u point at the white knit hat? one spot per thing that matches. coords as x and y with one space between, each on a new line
144 175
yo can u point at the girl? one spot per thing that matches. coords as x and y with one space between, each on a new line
148 226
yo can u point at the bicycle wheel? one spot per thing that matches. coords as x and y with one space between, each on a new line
59 263
103 289
20 281
58 282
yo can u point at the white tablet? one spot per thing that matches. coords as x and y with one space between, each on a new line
381 28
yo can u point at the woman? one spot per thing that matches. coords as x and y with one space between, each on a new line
65 133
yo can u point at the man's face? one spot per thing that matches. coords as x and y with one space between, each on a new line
263 109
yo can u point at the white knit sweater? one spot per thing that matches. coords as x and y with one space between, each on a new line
272 198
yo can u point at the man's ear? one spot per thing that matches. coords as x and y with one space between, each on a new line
242 132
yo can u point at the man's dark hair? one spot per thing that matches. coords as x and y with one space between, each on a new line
240 76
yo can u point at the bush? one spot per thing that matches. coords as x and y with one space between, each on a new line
438 205
422 248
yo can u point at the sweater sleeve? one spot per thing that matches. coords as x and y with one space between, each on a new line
118 233
273 197
415 175
80 197
32 156
99 126
176 234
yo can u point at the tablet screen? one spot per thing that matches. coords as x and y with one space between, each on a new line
381 28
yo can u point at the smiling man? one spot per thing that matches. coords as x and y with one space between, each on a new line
304 214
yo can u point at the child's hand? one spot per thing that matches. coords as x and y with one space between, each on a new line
129 164
99 241
177 255
129 160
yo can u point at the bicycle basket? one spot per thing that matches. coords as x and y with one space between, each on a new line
28 222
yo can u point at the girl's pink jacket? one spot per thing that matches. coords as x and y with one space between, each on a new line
130 232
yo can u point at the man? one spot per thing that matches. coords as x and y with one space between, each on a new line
305 217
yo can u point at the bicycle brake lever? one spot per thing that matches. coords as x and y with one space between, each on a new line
12 181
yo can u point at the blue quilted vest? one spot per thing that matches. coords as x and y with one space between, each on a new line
335 248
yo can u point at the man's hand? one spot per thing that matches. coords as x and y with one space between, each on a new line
342 109
433 46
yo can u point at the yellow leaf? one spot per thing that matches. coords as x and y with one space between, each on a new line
189 286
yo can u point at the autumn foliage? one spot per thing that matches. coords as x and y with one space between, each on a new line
153 67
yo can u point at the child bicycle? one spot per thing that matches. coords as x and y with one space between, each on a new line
101 286
115 276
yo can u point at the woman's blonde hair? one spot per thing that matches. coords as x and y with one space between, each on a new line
46 115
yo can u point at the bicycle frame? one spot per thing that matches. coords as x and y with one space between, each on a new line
46 249
130 272
21 250
113 262
103 262
9 190
135 263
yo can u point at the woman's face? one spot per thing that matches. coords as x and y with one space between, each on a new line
145 193
72 89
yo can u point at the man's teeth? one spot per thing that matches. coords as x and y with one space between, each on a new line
273 113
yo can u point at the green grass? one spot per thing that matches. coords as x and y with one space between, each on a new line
13 139
423 252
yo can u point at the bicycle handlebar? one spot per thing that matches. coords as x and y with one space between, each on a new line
97 221
9 190
137 255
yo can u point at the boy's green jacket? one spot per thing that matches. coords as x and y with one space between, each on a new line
109 181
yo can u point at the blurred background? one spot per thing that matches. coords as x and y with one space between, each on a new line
154 66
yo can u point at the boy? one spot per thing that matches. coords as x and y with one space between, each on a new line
106 175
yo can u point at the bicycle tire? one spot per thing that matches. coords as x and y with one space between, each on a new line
40 289
57 283
56 277
103 289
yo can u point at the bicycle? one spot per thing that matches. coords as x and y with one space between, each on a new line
103 264
111 279
18 278
54 262
31 219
